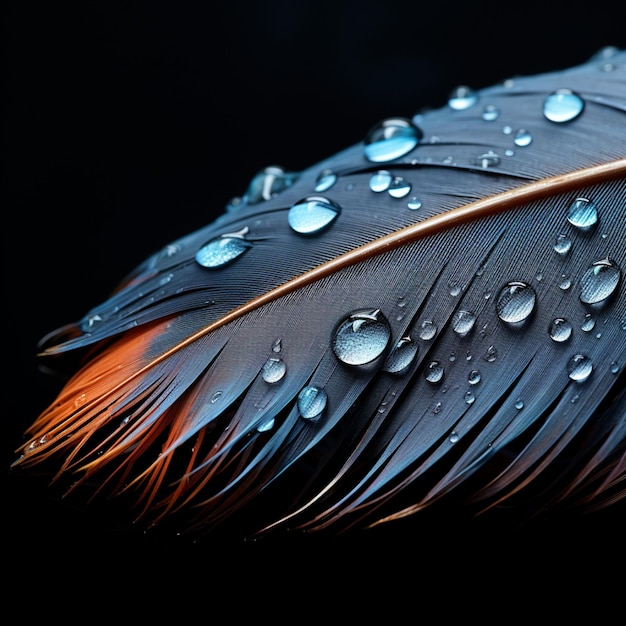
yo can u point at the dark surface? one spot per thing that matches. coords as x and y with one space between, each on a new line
129 124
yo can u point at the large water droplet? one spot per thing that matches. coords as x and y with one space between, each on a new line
579 368
380 181
273 370
516 302
560 330
582 213
391 139
563 105
222 250
599 281
462 322
362 337
401 356
312 402
462 97
268 183
312 215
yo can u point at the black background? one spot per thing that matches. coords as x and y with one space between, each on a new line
129 124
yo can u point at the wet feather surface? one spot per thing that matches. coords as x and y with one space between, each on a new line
434 315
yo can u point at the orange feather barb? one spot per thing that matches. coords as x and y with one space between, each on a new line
434 317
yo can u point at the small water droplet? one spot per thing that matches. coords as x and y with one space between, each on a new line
462 322
454 437
614 367
414 203
312 402
434 372
522 138
599 282
380 181
390 139
399 187
277 345
487 159
469 397
560 330
564 282
428 330
216 396
474 377
589 323
491 354
462 97
267 425
507 130
268 183
437 408
362 337
582 213
313 214
516 302
326 179
223 250
562 244
519 404
562 106
579 368
401 356
273 370
491 113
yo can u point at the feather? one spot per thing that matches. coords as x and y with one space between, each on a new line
432 317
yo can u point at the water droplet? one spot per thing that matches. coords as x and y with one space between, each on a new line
562 244
563 105
469 397
474 377
582 213
614 367
216 396
268 183
491 113
564 282
313 214
519 404
277 345
507 130
428 330
362 337
454 437
487 159
399 187
223 250
325 180
462 97
434 372
491 354
267 425
437 408
599 281
516 302
462 322
401 356
522 138
414 203
579 368
588 323
380 181
273 370
312 402
560 330
390 139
